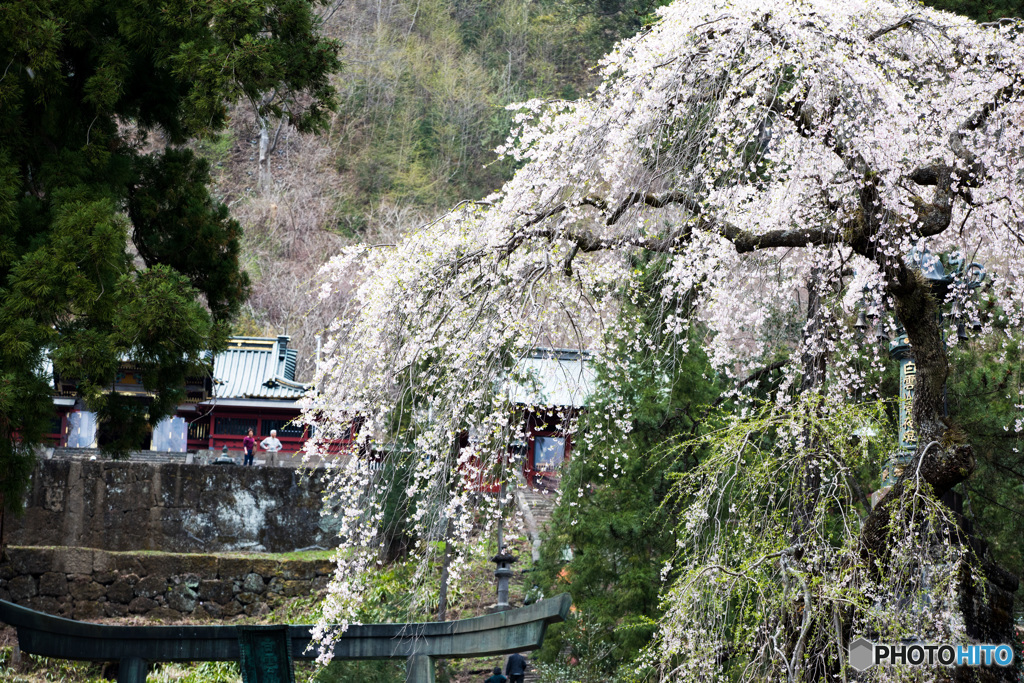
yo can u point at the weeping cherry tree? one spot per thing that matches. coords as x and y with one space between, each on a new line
782 154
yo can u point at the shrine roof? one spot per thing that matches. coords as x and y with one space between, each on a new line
257 367
552 377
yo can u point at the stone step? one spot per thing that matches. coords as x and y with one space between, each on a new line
542 505
537 508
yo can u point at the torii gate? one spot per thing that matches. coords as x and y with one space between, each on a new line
266 653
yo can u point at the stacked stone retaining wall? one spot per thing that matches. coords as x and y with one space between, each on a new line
172 507
86 584
199 457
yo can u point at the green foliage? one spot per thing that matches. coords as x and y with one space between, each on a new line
387 593
38 669
984 396
615 515
84 85
217 148
424 107
178 224
584 656
981 10
416 110
383 671
597 24
396 527
771 570
25 402
201 672
351 222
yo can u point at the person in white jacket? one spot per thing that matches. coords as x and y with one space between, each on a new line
271 444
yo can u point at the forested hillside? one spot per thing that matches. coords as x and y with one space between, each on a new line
422 98
422 106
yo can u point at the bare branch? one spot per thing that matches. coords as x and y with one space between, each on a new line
277 135
911 21
1001 96
752 377
656 201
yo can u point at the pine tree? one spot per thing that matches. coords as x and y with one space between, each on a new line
986 382
981 10
108 250
619 529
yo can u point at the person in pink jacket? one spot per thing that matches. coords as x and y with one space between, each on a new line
249 446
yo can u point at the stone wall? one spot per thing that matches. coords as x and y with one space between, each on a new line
172 507
199 457
86 584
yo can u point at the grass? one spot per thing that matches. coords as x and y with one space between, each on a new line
305 555
44 670
201 672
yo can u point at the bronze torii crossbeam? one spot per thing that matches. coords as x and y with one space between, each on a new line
266 652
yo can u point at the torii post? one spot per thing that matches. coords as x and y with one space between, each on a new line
266 653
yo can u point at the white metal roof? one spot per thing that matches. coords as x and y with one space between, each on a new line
552 377
256 367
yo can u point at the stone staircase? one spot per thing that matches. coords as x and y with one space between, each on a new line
542 505
536 506
531 674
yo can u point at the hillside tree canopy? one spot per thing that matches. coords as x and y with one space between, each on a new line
111 245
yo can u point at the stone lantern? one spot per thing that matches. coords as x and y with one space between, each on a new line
224 458
502 573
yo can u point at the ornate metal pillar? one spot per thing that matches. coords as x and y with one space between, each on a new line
900 351
966 277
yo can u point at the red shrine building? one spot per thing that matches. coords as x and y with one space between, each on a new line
554 387
549 389
252 386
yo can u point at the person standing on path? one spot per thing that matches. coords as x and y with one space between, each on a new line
271 444
497 677
515 669
249 446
